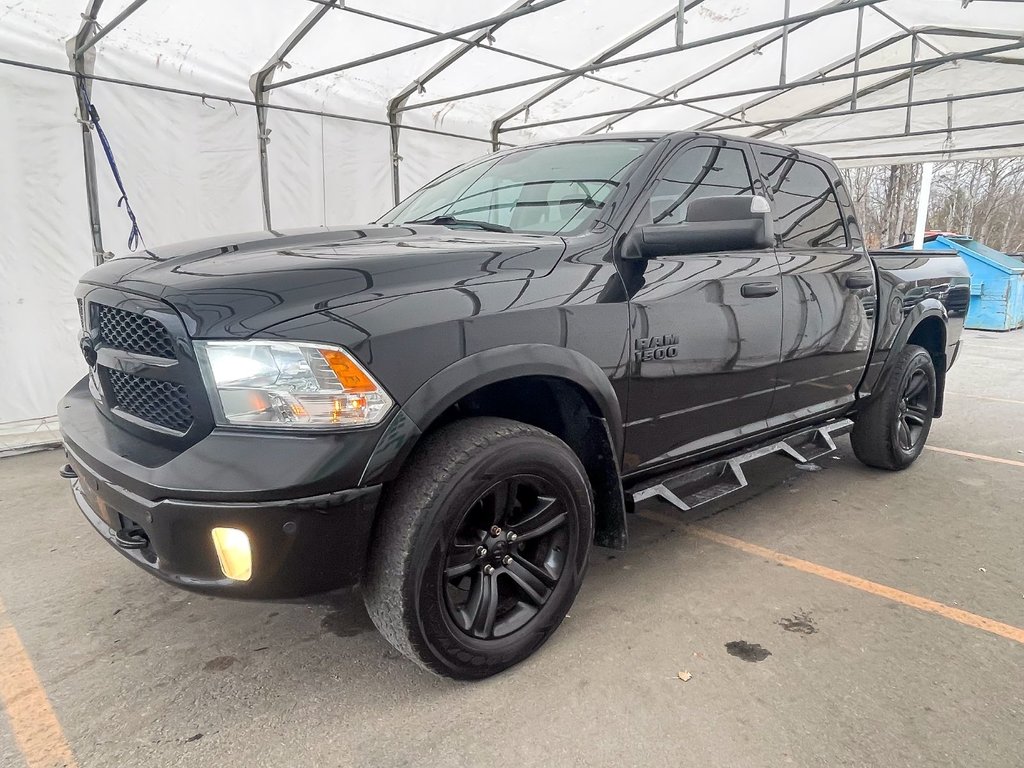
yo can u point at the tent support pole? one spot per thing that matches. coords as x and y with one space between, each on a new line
774 89
984 34
85 45
396 158
631 39
897 23
487 43
857 92
945 154
258 85
82 64
827 69
910 81
82 57
418 85
785 42
922 204
781 125
816 115
717 66
262 137
948 130
233 99
856 59
479 42
537 5
820 13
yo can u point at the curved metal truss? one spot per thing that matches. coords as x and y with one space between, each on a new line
761 111
996 43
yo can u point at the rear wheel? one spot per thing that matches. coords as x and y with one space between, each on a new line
891 430
481 547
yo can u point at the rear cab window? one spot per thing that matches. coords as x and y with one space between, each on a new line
804 202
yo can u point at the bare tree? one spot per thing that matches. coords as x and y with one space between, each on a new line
980 198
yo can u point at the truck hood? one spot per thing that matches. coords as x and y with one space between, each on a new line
237 286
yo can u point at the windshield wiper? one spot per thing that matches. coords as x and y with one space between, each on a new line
451 221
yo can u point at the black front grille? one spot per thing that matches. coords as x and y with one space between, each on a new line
164 403
136 333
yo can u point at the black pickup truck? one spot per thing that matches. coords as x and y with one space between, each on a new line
451 405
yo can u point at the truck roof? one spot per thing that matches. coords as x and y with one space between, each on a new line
656 135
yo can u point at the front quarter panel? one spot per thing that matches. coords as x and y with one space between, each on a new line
407 341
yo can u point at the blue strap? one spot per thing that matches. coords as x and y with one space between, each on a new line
135 235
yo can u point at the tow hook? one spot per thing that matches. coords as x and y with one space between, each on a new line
131 538
67 472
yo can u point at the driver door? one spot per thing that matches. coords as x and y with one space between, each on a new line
706 329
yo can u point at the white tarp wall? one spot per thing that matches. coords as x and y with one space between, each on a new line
44 235
191 165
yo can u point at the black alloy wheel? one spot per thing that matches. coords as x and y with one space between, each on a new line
892 425
506 557
480 547
915 409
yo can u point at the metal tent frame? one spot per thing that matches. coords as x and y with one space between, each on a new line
264 82
362 84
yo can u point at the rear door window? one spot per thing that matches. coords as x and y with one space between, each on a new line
806 208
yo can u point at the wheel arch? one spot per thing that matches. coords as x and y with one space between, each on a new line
930 333
924 326
553 388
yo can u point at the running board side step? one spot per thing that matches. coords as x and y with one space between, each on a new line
708 482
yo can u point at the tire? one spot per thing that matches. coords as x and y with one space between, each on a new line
891 430
509 488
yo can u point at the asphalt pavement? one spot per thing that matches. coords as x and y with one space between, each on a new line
838 617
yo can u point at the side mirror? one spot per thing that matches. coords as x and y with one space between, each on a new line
736 223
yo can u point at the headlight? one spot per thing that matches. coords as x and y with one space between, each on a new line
277 383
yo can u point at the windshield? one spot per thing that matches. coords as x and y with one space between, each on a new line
552 189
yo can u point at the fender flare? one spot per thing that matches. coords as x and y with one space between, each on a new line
491 366
920 312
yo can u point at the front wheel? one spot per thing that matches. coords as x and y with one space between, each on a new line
891 430
481 547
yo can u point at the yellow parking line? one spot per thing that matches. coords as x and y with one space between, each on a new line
980 457
33 722
987 397
914 601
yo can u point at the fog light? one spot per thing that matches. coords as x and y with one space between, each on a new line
233 552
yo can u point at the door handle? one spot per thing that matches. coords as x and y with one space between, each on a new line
758 290
860 281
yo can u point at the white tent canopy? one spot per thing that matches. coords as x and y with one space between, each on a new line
238 115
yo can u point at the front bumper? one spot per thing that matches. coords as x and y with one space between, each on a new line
305 534
299 546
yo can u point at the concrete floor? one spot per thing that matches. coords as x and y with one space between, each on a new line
139 673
